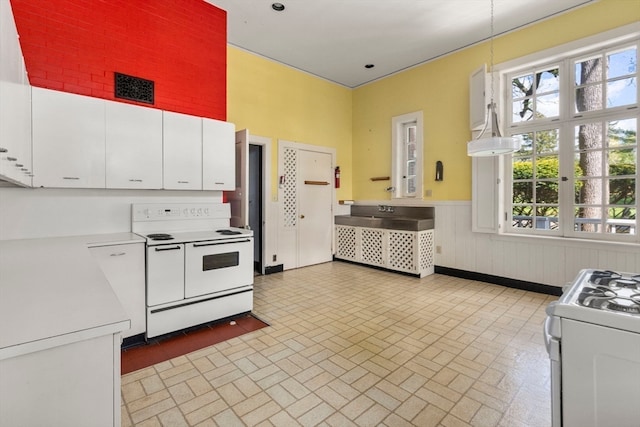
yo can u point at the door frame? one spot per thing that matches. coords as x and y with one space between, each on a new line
267 238
285 240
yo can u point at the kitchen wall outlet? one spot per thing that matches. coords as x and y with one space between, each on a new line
428 193
275 257
438 249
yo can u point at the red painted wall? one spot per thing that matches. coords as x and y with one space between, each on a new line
77 45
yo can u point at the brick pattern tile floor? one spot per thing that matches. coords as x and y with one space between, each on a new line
349 345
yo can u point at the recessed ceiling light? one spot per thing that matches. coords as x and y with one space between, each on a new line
278 7
369 66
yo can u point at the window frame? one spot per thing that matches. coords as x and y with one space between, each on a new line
565 57
399 162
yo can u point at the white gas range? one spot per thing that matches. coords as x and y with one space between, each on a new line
592 335
198 268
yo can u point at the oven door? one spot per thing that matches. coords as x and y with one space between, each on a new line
217 266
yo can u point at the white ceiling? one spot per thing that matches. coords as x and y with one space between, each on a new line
335 39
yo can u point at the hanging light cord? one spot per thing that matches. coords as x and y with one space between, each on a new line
491 50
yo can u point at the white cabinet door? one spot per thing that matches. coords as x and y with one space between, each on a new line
15 132
182 151
165 274
123 266
485 194
15 104
218 155
133 146
68 140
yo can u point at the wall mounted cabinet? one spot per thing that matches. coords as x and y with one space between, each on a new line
133 146
218 155
182 151
86 142
68 140
15 105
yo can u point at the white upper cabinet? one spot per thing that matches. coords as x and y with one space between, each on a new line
68 140
133 146
182 151
218 155
15 104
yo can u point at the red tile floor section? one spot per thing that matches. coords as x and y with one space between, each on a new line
165 348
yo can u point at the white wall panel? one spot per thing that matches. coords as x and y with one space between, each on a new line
547 261
33 213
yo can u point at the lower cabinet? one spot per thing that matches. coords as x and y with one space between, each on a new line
76 384
123 266
406 251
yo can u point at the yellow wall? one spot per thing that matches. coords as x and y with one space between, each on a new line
441 90
278 102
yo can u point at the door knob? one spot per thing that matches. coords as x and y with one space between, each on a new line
301 216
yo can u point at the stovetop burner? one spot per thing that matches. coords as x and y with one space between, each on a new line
611 291
160 236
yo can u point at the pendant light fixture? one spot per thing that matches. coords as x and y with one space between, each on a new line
496 144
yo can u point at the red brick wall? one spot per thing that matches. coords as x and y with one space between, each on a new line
77 45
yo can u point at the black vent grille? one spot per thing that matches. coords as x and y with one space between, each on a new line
134 88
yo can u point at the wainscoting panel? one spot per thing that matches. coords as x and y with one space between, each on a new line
548 261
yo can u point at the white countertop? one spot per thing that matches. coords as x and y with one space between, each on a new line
52 292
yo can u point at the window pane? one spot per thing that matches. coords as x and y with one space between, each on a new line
622 162
548 106
622 221
546 218
589 70
622 191
547 141
622 63
548 81
523 192
547 192
622 133
522 217
588 219
521 86
622 92
588 136
547 167
522 110
589 192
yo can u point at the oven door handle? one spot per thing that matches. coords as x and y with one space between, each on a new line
173 248
198 245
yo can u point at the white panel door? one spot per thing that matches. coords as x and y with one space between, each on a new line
181 151
315 225
133 146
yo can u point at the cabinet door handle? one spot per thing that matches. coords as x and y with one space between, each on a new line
3 150
19 165
173 248
183 182
118 254
135 180
219 183
73 178
12 159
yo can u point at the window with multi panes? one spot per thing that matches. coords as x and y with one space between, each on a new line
576 173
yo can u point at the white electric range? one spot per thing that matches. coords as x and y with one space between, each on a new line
592 334
198 268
